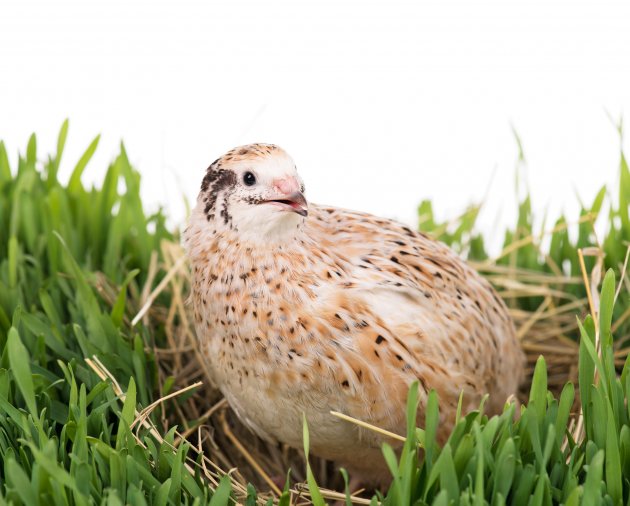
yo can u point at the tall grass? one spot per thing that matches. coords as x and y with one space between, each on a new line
69 257
77 371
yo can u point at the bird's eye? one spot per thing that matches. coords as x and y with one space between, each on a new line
249 179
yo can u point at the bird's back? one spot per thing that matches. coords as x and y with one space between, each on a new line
440 311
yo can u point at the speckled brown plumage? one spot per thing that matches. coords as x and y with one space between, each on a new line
337 310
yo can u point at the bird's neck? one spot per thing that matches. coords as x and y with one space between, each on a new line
216 246
258 249
282 230
247 259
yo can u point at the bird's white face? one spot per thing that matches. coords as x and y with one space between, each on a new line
255 191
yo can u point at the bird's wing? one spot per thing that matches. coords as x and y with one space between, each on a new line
430 315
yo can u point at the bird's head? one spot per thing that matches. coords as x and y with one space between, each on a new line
254 190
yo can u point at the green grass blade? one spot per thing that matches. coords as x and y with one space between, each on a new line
5 168
19 360
564 411
538 391
31 151
592 490
74 185
221 495
61 142
613 459
316 496
19 482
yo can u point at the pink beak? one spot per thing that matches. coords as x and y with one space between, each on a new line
290 197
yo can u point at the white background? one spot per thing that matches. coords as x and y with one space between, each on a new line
381 103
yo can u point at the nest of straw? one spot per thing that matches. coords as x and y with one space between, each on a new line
222 445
